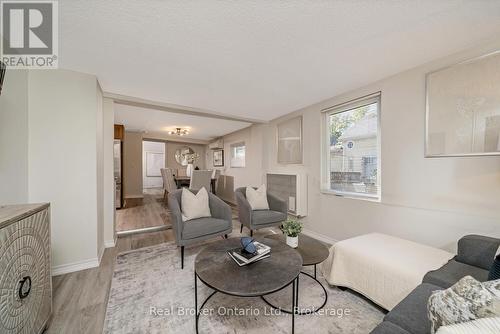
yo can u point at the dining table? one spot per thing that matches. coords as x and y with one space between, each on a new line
183 181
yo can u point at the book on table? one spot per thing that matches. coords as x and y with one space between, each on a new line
243 258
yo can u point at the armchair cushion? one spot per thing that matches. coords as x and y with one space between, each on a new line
257 198
194 206
264 217
204 226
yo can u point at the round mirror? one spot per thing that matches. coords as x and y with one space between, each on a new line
180 155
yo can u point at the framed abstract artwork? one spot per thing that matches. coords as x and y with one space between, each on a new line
463 109
289 136
218 158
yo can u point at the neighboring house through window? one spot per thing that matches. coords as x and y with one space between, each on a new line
352 148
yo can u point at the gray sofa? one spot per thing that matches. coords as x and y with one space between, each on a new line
474 257
257 219
196 230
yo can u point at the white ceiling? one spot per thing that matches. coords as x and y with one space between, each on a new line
157 123
261 58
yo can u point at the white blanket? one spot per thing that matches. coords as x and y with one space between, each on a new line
480 326
381 267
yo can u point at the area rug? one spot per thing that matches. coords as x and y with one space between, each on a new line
151 294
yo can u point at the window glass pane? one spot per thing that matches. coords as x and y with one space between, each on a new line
353 165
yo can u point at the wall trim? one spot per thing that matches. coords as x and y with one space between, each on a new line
109 243
319 236
75 266
101 253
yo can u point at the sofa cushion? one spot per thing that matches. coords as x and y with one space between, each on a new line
263 217
477 250
411 313
388 327
452 272
203 226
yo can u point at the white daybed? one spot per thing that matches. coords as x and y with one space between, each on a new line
381 267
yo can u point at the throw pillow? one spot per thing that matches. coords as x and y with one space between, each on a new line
467 300
495 269
194 206
257 198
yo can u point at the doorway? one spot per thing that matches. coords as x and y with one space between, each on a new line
148 213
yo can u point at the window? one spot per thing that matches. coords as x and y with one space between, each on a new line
238 155
351 166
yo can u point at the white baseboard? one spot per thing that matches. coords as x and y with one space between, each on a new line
75 266
319 236
101 253
109 243
134 196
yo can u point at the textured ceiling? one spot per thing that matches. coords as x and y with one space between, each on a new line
157 123
261 59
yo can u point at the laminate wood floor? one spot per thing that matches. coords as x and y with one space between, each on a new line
80 298
144 212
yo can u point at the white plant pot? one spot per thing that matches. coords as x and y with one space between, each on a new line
189 170
292 241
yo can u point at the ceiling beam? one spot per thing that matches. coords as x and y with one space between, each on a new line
174 108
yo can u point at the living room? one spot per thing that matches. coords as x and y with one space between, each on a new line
375 141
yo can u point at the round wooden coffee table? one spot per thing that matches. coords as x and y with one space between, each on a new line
215 268
313 252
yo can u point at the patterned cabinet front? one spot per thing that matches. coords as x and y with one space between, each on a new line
25 277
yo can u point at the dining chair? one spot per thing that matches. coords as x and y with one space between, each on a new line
169 184
181 172
200 179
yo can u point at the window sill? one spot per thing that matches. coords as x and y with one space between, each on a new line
369 198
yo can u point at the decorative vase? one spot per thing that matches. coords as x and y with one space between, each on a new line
292 241
189 170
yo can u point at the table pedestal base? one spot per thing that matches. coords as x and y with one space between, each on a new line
296 294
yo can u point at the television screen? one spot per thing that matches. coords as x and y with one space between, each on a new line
2 75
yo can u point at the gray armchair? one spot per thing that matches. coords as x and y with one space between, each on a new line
257 219
195 230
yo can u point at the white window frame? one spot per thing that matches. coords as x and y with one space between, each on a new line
233 161
325 146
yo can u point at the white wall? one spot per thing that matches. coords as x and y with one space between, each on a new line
152 147
63 125
434 201
109 179
14 138
253 173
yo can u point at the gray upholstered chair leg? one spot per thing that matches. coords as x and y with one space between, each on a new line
225 236
251 233
182 257
241 228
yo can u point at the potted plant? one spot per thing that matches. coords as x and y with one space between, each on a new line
292 228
